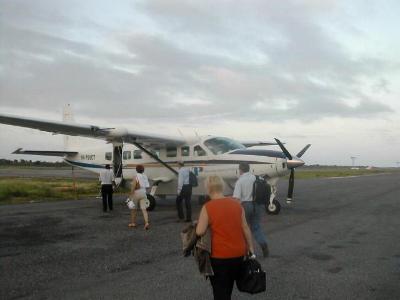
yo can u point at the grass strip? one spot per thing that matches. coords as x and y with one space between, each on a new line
23 190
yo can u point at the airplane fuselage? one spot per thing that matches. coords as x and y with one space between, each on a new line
267 163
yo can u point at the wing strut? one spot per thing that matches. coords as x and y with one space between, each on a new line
156 158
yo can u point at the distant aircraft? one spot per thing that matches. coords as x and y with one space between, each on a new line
160 156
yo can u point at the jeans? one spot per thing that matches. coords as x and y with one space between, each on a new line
253 217
185 194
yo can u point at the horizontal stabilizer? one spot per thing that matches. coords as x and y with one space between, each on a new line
45 153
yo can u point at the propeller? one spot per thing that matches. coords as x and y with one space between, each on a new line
292 163
300 154
284 150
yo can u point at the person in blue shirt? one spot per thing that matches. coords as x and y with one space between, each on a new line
184 193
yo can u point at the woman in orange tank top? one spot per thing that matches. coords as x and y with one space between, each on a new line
230 237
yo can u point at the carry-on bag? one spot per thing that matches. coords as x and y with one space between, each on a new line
252 278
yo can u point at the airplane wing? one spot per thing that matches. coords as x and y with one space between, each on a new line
45 153
91 131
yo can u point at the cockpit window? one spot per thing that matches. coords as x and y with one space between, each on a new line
220 145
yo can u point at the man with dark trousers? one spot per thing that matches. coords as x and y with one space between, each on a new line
184 193
107 180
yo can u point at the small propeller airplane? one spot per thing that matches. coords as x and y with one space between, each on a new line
160 156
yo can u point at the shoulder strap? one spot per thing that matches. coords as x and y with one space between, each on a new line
253 193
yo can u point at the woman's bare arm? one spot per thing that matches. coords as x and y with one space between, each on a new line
247 233
202 224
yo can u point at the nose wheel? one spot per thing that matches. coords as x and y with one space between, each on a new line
273 208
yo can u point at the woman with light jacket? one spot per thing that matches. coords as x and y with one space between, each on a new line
140 184
230 237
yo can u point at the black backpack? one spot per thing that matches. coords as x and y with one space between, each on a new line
261 191
193 179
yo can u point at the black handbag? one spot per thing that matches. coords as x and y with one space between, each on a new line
252 279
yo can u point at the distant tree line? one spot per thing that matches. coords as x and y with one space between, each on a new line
31 163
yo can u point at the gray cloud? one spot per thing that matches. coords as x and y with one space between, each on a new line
269 60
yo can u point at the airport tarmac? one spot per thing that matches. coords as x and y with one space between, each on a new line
340 239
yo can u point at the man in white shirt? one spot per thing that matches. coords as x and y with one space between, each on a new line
107 180
184 193
244 192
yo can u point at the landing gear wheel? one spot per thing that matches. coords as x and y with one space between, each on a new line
152 201
274 208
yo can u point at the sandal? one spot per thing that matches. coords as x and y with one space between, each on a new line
147 226
131 225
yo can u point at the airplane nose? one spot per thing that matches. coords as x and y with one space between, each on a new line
295 162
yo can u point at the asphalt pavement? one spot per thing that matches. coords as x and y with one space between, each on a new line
339 239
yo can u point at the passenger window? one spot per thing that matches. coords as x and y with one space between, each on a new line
171 151
185 151
137 154
156 152
198 151
127 155
108 156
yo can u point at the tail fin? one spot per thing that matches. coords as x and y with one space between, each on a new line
68 117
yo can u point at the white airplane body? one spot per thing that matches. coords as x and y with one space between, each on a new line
160 156
225 165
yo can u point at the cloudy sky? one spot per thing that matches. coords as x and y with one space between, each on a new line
319 72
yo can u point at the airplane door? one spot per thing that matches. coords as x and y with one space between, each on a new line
117 161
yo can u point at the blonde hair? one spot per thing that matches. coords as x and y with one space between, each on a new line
214 184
